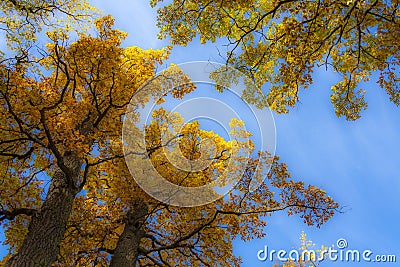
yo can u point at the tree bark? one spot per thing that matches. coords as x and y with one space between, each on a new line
127 249
47 227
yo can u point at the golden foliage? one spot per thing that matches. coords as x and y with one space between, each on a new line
280 43
72 102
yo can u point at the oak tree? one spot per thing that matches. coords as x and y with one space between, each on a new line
50 123
279 43
67 196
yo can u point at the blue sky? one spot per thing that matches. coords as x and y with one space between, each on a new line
357 163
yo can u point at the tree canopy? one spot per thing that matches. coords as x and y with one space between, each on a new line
67 197
279 43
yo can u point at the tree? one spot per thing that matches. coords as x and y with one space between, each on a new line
22 21
62 120
170 235
279 43
53 121
307 255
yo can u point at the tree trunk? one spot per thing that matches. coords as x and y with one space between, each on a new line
47 227
126 252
